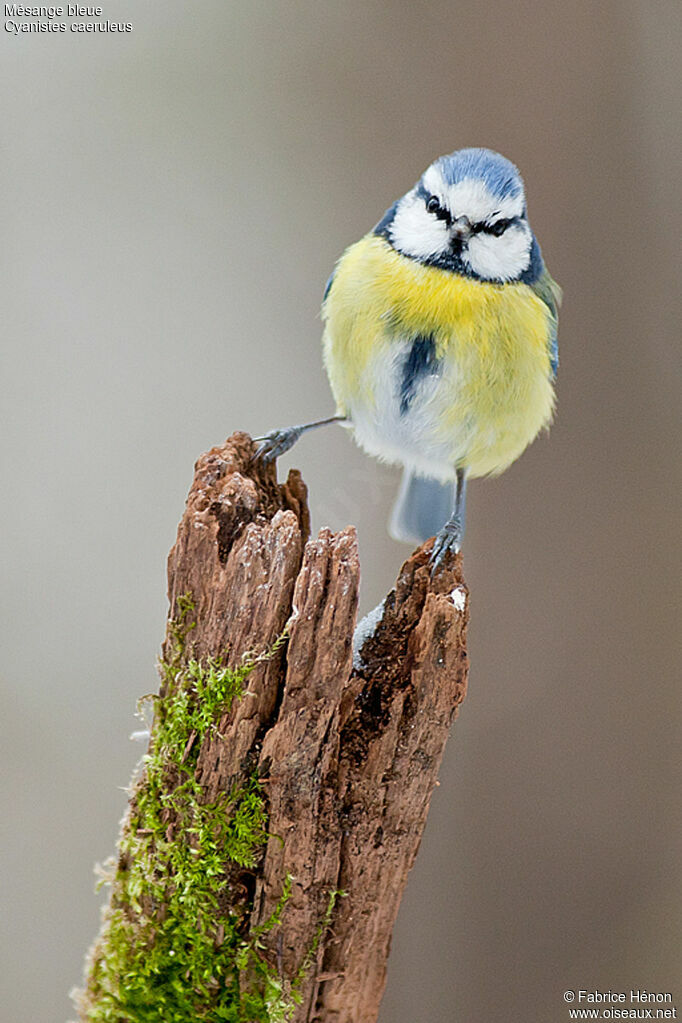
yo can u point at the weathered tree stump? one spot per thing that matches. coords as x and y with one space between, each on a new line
343 757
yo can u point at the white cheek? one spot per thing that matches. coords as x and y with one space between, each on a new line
415 231
502 258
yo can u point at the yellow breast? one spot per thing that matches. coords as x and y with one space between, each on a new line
495 391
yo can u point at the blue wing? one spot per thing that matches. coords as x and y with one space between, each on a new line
328 285
538 278
550 293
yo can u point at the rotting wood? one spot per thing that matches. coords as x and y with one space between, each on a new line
348 757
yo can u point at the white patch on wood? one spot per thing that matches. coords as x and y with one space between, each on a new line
363 630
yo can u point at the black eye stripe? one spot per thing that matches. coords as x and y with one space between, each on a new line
496 229
433 206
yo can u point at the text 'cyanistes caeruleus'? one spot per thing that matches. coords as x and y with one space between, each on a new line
440 340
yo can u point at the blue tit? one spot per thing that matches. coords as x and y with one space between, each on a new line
440 340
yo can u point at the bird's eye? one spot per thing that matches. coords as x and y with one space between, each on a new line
499 227
433 204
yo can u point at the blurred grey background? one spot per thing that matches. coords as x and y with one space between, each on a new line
172 203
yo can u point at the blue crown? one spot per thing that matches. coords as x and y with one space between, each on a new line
498 173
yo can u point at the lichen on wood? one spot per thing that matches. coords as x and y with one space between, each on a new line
281 803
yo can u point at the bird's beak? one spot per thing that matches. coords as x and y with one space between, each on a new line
460 229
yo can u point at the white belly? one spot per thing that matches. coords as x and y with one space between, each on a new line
409 432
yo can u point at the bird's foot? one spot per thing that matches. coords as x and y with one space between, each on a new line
448 541
276 443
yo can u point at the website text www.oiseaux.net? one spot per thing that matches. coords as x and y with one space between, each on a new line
609 1005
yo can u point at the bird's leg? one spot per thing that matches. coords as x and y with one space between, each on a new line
450 537
277 442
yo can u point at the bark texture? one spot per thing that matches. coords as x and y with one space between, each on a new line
348 757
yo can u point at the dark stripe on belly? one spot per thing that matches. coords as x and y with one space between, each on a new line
420 361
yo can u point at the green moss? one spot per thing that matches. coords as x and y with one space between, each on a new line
175 942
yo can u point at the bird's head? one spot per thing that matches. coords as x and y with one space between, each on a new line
466 214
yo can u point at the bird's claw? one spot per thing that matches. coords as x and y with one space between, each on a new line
276 443
448 541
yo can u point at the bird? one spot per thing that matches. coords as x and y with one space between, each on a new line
440 341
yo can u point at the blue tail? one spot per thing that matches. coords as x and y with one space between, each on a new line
422 507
